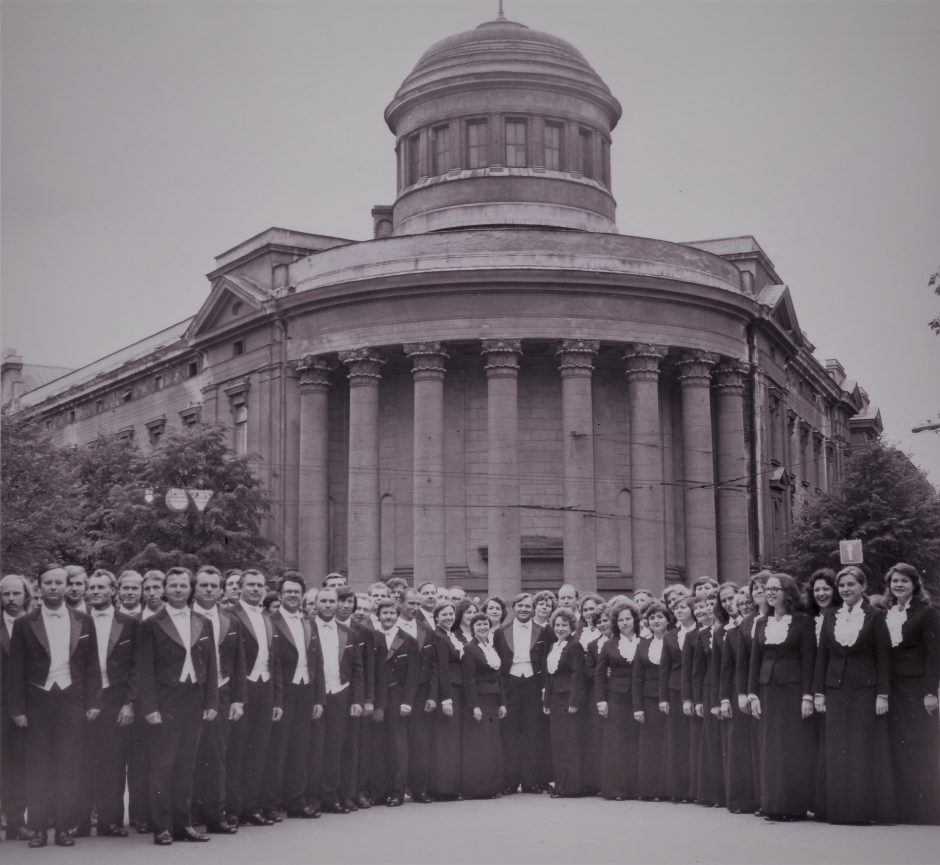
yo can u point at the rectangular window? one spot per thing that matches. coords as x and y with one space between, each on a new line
586 156
238 347
440 150
192 369
553 146
605 163
158 382
240 444
414 159
72 416
516 144
477 144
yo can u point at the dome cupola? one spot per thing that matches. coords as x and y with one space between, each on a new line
503 125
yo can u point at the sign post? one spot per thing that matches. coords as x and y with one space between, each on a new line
850 552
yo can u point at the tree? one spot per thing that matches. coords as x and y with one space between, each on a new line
934 283
40 498
886 502
126 531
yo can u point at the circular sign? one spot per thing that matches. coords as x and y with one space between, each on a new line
176 499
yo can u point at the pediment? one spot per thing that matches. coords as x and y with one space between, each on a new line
778 303
232 300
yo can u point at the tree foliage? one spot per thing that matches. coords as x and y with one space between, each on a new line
40 498
886 502
934 283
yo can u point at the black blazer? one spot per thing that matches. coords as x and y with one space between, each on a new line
646 675
731 649
122 656
449 668
399 675
364 636
791 662
569 677
161 655
612 672
703 675
350 660
742 669
538 646
427 659
917 656
478 677
30 658
232 655
250 648
865 664
289 656
670 665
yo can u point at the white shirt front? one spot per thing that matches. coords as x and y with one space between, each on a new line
776 630
390 637
682 633
182 621
895 619
554 656
409 627
212 614
627 647
147 613
848 624
58 629
133 611
262 668
588 636
8 620
329 648
428 618
295 625
656 650
521 649
102 620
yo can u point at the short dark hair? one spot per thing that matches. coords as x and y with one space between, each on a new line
386 602
292 577
617 609
439 608
660 607
828 576
566 614
496 599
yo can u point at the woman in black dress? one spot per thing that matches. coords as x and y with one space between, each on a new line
914 627
852 683
562 702
482 751
613 680
706 661
496 611
448 720
678 710
780 682
595 628
651 777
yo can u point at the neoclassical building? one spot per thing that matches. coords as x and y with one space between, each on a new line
497 390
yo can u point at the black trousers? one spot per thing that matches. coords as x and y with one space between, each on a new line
138 772
13 777
248 750
54 737
329 737
173 745
209 784
520 732
106 750
390 750
285 776
419 744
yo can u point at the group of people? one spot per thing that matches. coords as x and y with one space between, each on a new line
214 702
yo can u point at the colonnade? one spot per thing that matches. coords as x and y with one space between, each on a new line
715 457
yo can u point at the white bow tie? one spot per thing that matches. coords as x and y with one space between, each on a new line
101 614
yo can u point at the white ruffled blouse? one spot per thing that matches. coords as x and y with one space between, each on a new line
588 636
777 630
554 656
627 647
656 650
849 625
492 658
455 642
682 633
896 617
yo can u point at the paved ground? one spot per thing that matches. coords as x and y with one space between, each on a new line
518 830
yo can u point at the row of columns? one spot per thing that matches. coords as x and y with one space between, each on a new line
724 553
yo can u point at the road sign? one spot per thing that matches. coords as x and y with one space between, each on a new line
200 498
176 499
850 552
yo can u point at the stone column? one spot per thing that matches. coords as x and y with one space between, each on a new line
363 528
501 359
576 362
648 527
733 548
427 370
313 511
701 550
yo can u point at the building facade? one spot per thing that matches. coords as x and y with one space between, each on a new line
498 389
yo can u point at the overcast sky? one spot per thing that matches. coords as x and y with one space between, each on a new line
140 139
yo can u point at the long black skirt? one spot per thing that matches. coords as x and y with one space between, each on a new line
710 783
915 753
736 752
651 777
591 752
481 775
786 752
619 759
446 748
857 761
678 737
567 733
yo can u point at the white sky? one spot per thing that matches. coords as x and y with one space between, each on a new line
140 139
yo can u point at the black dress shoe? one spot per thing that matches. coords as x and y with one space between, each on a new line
65 839
21 833
308 812
423 798
83 830
163 838
273 816
350 805
143 827
334 808
255 819
112 832
535 789
38 839
363 801
188 833
395 802
221 829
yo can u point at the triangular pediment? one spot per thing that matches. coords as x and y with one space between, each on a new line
779 309
232 300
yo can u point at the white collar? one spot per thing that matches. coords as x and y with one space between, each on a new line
104 613
251 609
62 611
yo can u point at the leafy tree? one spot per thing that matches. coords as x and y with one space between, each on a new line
40 498
886 502
934 283
128 532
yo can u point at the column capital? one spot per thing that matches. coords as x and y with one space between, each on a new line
502 357
729 376
363 366
576 357
427 360
643 360
313 373
695 368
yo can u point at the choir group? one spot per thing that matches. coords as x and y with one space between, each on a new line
210 700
